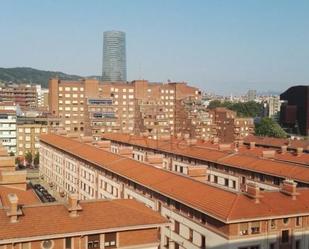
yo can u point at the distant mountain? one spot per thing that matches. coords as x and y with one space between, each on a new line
28 75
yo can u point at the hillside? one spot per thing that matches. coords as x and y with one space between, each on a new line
28 75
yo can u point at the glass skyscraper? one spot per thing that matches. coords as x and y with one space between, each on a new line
114 56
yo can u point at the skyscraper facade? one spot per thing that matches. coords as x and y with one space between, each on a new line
114 56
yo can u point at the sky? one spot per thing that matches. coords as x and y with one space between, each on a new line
221 46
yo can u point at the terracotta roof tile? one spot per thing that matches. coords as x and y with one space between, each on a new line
213 201
95 215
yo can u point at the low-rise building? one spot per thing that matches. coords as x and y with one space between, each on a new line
228 166
202 215
79 225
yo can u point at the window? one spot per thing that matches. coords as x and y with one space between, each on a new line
243 229
110 240
297 244
68 243
298 221
25 245
203 244
272 246
285 236
47 244
273 224
176 227
285 221
255 227
94 241
226 182
190 234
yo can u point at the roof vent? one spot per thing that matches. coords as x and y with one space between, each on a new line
252 145
284 149
224 147
73 205
299 151
14 210
268 154
288 187
253 191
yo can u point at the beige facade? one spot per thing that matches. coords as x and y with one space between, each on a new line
192 228
138 106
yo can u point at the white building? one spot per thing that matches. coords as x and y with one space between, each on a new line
8 125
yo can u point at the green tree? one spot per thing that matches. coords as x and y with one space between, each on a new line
245 109
268 127
11 153
28 157
36 159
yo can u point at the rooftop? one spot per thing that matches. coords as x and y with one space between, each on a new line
95 216
222 204
283 165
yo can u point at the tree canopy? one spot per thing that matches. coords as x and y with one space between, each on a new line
268 127
243 109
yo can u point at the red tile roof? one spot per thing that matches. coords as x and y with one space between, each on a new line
278 142
25 197
224 205
54 219
245 159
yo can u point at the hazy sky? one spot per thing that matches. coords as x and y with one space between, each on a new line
223 46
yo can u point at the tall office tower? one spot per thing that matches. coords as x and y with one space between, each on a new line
114 56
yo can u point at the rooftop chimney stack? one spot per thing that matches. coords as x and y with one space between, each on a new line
252 145
288 187
73 205
299 151
14 211
284 149
253 191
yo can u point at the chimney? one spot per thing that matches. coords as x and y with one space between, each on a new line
252 145
73 205
268 154
240 143
284 149
253 191
14 211
224 147
106 144
299 151
288 187
215 140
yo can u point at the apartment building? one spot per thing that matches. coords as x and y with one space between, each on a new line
78 224
42 97
202 216
229 166
138 106
23 95
8 125
230 127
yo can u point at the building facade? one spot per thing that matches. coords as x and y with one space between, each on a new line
114 56
93 107
294 113
23 95
78 224
8 125
202 216
223 165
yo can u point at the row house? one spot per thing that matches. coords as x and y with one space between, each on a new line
78 224
224 166
202 216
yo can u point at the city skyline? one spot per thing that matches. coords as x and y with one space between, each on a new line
218 47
